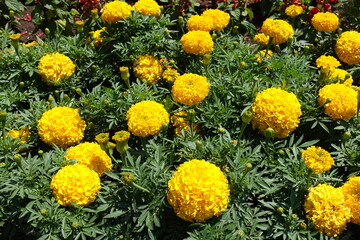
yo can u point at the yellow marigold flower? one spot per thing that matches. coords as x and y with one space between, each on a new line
23 134
198 190
170 75
324 206
325 21
347 47
351 190
148 68
15 36
197 42
293 10
200 23
263 54
317 159
261 38
30 44
97 36
181 122
279 30
55 67
75 183
276 109
121 136
343 103
190 89
327 63
115 11
220 18
61 126
146 118
148 7
342 75
90 155
102 138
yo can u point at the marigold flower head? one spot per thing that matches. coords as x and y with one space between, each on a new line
61 126
75 183
90 155
148 7
97 36
197 42
343 76
327 63
23 134
347 47
351 190
325 21
261 38
343 103
200 23
190 89
146 118
121 136
170 75
293 10
115 11
15 36
324 206
30 44
180 122
102 138
220 18
148 68
198 190
317 159
55 67
277 109
263 54
279 30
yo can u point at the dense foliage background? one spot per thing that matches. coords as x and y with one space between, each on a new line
267 176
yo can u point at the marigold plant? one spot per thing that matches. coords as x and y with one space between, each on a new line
148 7
198 190
190 89
90 155
279 30
347 47
148 68
327 63
325 207
351 190
325 21
343 101
277 109
147 118
75 183
55 67
317 159
220 18
61 126
293 10
197 42
115 11
200 23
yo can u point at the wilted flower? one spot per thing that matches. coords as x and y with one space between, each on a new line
90 155
61 126
75 183
198 191
343 103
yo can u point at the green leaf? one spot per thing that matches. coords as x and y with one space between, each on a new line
14 5
115 214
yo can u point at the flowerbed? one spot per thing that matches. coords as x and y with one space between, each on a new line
162 120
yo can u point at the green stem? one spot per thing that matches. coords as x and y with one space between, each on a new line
140 187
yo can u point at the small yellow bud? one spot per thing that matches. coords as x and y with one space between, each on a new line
280 210
128 177
269 132
346 136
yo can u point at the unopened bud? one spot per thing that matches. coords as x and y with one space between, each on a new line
206 59
280 210
180 20
75 225
47 31
294 216
41 153
242 65
346 136
3 115
248 166
269 132
128 177
247 117
198 144
43 211
303 226
221 130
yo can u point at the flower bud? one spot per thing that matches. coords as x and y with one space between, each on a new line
43 211
221 130
41 153
180 20
248 166
280 210
242 65
75 225
47 31
303 226
198 144
246 117
3 115
206 59
269 132
346 136
128 177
